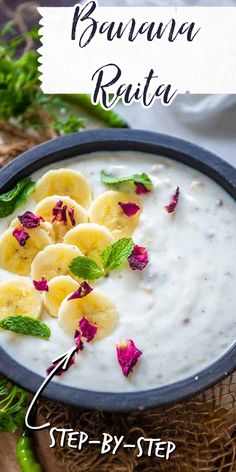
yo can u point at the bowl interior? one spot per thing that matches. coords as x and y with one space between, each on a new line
117 140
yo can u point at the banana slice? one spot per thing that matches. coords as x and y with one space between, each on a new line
97 307
18 259
45 207
105 210
59 288
64 182
91 239
48 227
54 260
19 297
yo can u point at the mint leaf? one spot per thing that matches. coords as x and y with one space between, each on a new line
117 253
110 179
86 268
16 197
26 192
25 325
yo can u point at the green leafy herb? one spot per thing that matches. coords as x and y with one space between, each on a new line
12 401
70 125
22 98
25 325
16 197
117 253
112 258
86 268
110 179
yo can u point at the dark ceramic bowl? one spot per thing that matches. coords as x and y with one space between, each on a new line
120 140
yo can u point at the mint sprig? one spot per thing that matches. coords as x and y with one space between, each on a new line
86 268
114 255
110 179
16 197
112 258
26 325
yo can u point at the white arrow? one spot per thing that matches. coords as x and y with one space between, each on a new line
63 362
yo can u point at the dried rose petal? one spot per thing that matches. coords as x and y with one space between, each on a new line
141 188
20 234
59 212
219 202
78 340
87 329
61 370
129 208
41 285
170 208
71 213
29 220
138 259
127 355
82 291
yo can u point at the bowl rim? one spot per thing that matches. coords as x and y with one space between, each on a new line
81 143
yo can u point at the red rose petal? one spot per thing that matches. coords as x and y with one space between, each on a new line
127 356
82 291
59 212
41 285
71 213
129 208
29 220
20 234
138 259
141 188
61 370
78 340
171 207
87 329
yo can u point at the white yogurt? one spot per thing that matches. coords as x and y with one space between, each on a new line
180 310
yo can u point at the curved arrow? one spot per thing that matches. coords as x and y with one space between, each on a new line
62 362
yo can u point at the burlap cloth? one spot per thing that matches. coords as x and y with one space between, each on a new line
203 428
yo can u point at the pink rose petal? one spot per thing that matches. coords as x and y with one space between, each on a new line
29 220
127 355
20 234
141 188
59 212
82 291
129 208
78 340
41 285
171 207
61 370
138 259
71 213
87 329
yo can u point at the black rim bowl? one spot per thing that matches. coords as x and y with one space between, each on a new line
118 140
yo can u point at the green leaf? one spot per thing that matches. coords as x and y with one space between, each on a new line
70 125
12 402
16 197
7 423
86 268
25 325
117 253
110 179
